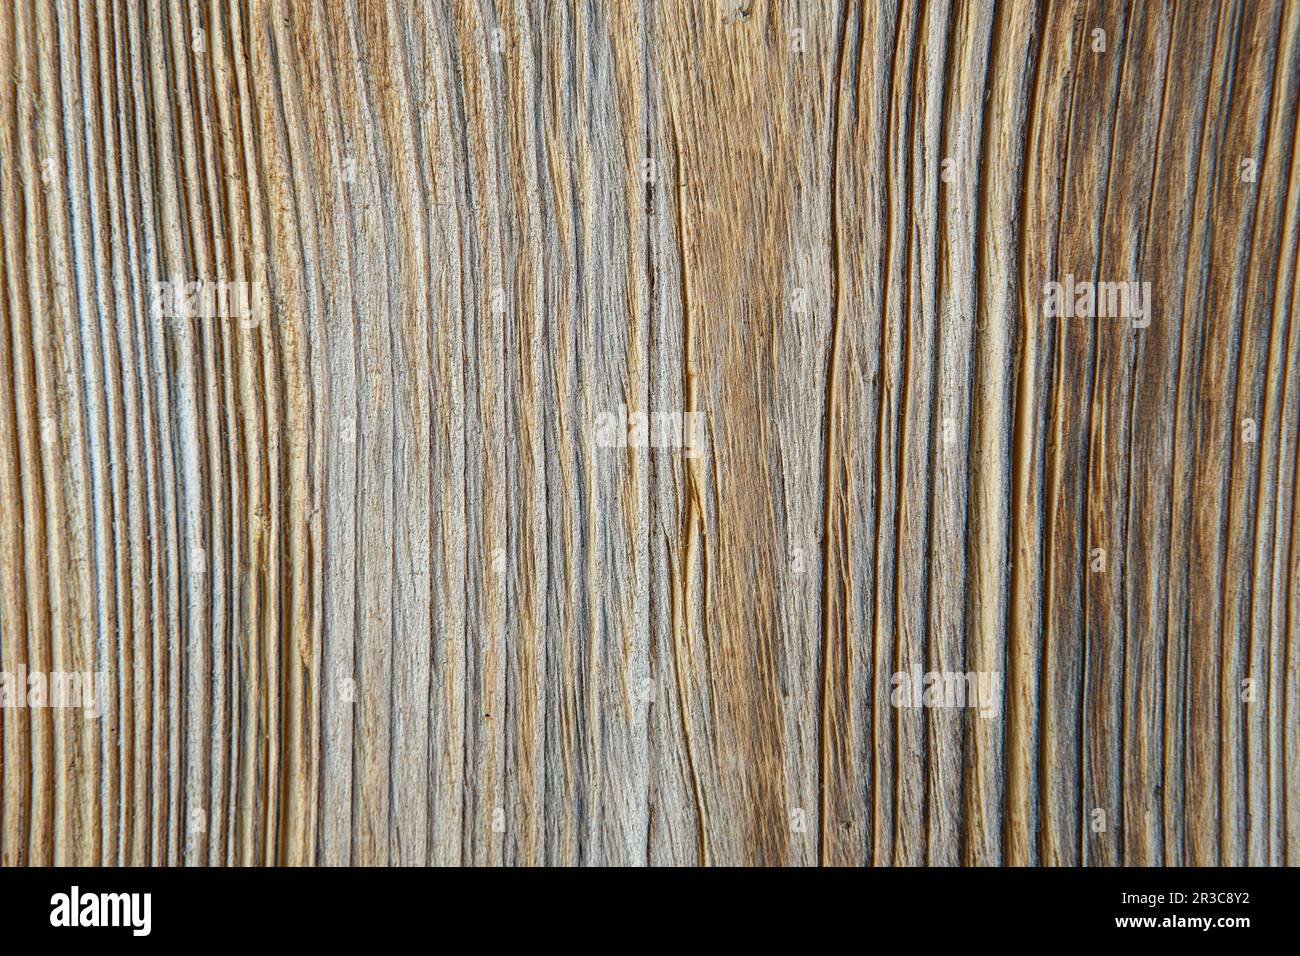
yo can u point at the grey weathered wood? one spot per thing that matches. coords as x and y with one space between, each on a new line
365 588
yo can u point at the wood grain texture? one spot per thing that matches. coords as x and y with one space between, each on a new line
364 586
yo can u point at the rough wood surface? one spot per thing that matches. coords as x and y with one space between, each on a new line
363 586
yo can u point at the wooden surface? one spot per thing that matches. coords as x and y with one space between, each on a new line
365 589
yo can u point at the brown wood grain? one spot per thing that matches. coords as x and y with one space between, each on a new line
360 580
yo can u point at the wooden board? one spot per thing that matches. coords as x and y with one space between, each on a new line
644 433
